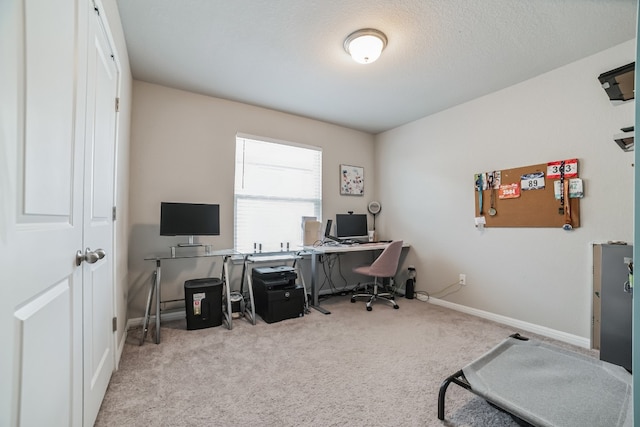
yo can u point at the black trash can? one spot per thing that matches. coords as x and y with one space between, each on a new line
203 299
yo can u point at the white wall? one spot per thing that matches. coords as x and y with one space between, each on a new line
538 275
183 149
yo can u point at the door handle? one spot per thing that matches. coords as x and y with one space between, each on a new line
90 256
100 252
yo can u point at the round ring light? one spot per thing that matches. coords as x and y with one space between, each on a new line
374 208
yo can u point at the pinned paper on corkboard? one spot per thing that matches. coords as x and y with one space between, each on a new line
539 205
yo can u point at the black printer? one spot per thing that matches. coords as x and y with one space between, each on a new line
276 294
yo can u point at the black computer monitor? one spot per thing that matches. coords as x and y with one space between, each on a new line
351 225
189 219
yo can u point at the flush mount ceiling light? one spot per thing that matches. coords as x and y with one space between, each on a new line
365 45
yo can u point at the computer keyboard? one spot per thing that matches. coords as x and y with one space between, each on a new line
354 241
351 242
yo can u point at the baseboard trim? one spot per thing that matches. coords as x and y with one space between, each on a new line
165 317
537 329
120 348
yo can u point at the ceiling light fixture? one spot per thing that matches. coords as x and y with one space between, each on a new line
365 45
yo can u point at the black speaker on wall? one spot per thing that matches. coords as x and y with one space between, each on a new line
619 83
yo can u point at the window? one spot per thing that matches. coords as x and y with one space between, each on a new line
276 184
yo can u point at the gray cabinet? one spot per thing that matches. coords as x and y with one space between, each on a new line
612 303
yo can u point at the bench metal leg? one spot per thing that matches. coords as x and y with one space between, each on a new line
457 378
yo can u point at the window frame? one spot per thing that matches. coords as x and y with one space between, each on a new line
274 198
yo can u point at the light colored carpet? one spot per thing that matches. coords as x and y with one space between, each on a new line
349 368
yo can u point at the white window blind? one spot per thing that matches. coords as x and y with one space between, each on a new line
275 186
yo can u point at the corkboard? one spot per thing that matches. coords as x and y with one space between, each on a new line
534 208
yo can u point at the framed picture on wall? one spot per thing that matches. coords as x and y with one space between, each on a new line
351 180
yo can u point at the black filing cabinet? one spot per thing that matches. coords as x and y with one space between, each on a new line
276 294
203 300
614 300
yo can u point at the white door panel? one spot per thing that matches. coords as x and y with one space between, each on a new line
57 138
98 307
97 293
49 103
45 329
41 147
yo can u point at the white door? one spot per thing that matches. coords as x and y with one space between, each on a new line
57 136
41 192
98 223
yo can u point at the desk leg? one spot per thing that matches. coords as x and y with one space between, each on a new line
314 285
252 301
226 284
250 309
147 311
304 287
158 271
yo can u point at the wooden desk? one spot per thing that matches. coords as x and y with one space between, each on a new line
316 251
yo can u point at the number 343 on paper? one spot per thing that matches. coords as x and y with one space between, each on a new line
555 169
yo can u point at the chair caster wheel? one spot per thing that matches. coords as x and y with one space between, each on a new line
353 300
396 306
369 308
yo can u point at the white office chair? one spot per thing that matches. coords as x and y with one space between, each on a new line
384 266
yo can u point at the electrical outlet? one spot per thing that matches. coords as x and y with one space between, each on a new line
463 279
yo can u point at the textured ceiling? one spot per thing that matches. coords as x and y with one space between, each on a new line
287 55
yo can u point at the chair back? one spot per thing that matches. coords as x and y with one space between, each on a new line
386 264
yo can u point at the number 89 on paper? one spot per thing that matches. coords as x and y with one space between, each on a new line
532 181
